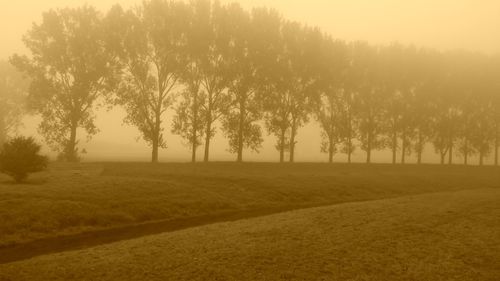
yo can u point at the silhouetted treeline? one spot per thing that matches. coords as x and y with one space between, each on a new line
253 72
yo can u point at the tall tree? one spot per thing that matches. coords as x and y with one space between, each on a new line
271 77
302 49
70 70
188 119
149 42
214 65
371 100
329 112
239 122
189 116
427 79
349 98
13 88
494 94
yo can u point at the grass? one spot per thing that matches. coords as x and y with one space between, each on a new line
70 199
441 236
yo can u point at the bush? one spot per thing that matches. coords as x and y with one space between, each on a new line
20 156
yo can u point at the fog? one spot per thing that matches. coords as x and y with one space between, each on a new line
442 25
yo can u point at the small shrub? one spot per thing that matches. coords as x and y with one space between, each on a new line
20 156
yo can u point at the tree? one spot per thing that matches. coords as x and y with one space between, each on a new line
292 82
239 122
329 112
69 70
213 64
446 112
494 97
20 156
427 76
370 105
188 120
12 99
271 77
189 116
149 44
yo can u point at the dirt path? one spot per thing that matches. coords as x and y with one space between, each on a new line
23 251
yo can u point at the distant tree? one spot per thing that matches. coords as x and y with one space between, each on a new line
13 90
399 81
189 115
494 97
293 85
239 122
70 70
427 77
371 101
150 43
446 111
329 113
483 135
302 53
188 119
348 105
20 156
213 64
270 77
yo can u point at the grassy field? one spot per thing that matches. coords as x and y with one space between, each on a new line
440 236
86 197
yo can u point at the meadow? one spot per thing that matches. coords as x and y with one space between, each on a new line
80 212
439 236
69 199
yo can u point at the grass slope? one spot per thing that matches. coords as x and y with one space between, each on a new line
87 197
440 236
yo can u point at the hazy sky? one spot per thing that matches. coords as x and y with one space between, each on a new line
441 24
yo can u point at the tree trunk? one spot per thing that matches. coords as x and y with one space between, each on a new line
369 149
481 158
349 139
443 155
466 153
282 145
3 133
450 152
420 147
349 149
292 141
394 146
154 153
403 150
497 143
331 138
208 130
330 152
71 154
240 131
194 132
156 137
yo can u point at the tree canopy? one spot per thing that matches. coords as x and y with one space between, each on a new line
244 71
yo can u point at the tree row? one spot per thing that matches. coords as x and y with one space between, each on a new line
252 73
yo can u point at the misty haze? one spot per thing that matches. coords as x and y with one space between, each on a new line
249 140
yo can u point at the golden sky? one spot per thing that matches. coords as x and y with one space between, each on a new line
441 24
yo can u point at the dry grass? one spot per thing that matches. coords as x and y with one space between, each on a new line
86 197
441 236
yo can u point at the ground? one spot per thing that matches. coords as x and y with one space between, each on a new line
402 222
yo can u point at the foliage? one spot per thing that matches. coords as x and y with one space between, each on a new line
20 156
12 99
70 70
